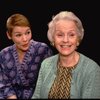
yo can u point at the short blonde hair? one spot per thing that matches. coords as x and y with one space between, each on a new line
66 15
16 20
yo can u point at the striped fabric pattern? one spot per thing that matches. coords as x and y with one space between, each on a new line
61 86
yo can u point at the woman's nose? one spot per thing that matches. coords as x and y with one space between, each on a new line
24 38
65 39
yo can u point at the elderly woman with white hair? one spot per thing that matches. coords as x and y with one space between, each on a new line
68 74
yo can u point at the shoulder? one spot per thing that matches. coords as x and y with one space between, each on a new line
86 67
5 53
87 59
37 43
41 47
6 49
50 60
88 62
48 65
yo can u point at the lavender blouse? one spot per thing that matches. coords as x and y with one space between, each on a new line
20 78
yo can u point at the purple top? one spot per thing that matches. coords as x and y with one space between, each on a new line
20 78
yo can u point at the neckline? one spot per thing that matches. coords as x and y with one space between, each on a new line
69 67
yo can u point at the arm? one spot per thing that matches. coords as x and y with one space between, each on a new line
36 94
92 87
48 52
6 89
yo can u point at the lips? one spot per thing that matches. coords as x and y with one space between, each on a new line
25 45
65 46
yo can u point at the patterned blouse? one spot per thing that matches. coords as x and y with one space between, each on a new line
20 78
61 87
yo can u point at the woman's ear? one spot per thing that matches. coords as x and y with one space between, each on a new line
78 43
9 37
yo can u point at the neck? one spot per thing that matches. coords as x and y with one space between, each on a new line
21 55
69 61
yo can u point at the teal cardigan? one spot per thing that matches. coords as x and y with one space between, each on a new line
85 78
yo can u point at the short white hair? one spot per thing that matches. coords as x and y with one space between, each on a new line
66 15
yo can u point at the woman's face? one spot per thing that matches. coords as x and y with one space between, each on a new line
66 37
21 36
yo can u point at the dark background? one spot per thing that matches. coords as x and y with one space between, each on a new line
40 12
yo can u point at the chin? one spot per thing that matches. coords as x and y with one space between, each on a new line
66 53
25 49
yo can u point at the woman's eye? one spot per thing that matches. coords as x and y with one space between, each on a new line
18 35
72 34
28 32
60 35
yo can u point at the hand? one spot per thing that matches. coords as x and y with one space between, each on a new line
12 97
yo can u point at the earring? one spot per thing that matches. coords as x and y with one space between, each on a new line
77 44
52 43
